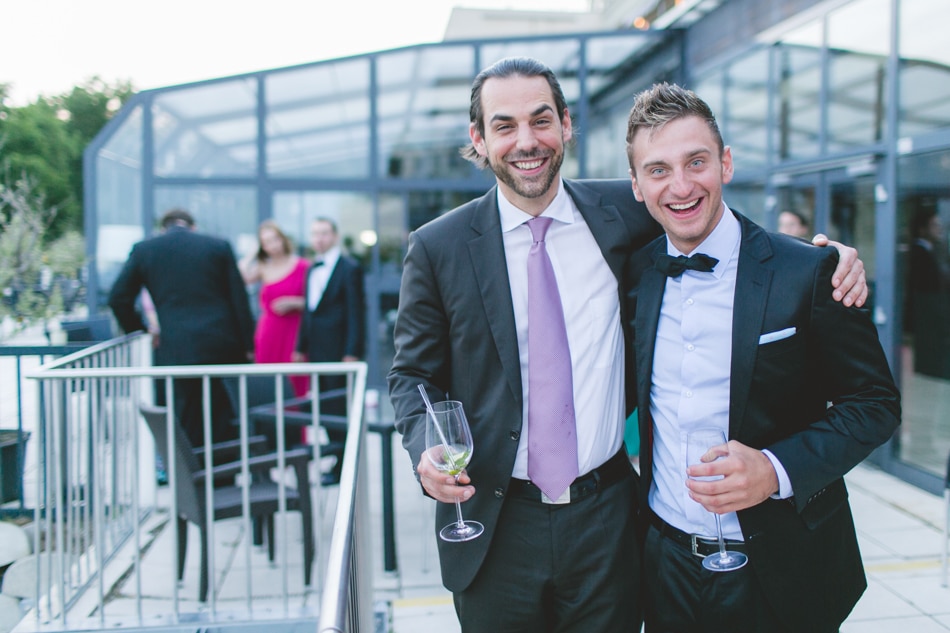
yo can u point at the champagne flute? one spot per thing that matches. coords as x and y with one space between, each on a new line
698 443
449 448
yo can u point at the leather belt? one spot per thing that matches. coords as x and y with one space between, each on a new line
698 544
605 475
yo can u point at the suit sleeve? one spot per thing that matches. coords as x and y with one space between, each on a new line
421 338
240 303
355 319
852 374
125 292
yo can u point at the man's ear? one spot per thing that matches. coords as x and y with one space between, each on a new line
478 141
636 189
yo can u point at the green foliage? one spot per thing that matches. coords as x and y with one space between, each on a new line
35 278
41 246
45 141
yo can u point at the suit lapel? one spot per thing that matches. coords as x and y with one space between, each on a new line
604 223
332 282
649 298
752 290
487 251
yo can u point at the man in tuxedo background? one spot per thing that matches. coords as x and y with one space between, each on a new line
755 345
333 325
562 557
203 313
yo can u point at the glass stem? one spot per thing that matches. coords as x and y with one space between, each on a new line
722 541
458 507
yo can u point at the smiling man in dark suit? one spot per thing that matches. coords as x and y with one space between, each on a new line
202 308
559 551
752 342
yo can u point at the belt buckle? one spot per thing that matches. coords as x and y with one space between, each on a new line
696 539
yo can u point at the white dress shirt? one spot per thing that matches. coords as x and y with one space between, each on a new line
589 297
692 375
319 277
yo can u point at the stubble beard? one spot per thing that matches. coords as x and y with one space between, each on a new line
533 187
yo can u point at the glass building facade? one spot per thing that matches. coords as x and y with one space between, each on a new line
837 110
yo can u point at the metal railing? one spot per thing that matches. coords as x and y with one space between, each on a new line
98 501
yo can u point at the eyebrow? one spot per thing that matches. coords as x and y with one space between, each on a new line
689 156
507 117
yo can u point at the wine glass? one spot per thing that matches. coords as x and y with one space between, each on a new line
449 448
698 443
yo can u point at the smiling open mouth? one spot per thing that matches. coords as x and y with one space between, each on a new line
684 206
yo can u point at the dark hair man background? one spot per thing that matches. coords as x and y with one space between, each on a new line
203 312
560 551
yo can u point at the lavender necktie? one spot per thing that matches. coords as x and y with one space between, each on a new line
552 433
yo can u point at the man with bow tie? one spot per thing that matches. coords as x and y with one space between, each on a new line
333 325
737 328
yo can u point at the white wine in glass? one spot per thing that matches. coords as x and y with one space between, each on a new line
698 443
449 448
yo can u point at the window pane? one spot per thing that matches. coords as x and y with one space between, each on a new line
925 62
924 216
318 121
423 112
798 115
207 131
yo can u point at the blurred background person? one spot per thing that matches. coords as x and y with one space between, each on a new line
282 276
333 323
793 223
927 308
202 308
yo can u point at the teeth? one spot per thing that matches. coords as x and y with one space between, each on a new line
531 165
683 207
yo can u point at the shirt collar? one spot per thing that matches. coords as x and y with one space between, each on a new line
330 256
722 243
560 209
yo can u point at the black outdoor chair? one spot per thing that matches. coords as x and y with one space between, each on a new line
263 493
262 412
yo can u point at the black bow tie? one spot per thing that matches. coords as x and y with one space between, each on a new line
316 264
674 266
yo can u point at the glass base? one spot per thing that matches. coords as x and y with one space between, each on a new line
455 533
728 561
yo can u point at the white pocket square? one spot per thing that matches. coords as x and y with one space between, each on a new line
778 335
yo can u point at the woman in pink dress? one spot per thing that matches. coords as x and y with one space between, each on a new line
282 275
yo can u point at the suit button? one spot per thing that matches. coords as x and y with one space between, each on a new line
515 435
499 492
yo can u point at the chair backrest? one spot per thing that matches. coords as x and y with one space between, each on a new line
191 505
261 389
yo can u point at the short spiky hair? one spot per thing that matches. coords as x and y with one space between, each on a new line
655 107
503 68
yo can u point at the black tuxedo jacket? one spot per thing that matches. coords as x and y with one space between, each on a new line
201 300
456 336
335 328
803 550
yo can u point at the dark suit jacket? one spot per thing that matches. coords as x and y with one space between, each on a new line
336 327
804 550
455 335
200 298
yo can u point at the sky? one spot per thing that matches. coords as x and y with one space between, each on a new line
49 46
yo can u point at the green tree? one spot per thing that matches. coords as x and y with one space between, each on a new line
45 140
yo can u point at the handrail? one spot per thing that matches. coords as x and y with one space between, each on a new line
347 585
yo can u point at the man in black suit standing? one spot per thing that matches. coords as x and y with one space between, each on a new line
736 328
557 555
333 326
203 313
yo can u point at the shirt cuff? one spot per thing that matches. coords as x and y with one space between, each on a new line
784 483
